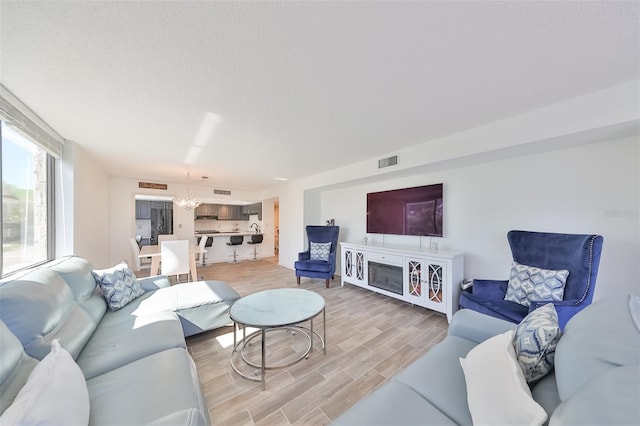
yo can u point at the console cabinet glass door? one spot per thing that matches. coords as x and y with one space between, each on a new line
354 266
425 282
414 282
434 277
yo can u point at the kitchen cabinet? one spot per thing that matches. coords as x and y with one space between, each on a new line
236 212
221 211
224 212
206 211
250 209
143 209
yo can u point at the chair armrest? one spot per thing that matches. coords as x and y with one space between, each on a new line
477 327
491 289
565 309
154 282
305 255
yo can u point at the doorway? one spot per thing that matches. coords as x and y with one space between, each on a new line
154 216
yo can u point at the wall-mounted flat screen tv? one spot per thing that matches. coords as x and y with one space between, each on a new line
406 211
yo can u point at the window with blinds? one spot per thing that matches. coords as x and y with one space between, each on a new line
28 152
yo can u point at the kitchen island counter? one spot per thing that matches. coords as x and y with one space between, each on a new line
220 252
224 233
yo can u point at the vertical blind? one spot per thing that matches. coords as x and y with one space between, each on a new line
17 115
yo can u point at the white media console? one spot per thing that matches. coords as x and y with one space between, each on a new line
423 277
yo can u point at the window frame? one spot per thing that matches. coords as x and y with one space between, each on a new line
50 200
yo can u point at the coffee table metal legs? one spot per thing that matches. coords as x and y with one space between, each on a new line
264 359
239 347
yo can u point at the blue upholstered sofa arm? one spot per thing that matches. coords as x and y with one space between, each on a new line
154 282
491 289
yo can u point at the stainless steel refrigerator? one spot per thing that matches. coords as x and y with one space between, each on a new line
161 221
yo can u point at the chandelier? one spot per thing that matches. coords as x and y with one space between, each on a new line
187 201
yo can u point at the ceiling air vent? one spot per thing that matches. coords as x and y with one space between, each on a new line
389 161
221 192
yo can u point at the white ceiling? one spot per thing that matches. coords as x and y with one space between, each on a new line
289 89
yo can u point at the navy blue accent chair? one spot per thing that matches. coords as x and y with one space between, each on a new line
305 267
579 254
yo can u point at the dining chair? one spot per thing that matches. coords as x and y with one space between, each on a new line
175 259
166 237
139 263
203 243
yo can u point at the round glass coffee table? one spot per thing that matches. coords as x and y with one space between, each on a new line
271 310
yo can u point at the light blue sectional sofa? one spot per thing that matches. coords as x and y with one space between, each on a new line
134 360
596 380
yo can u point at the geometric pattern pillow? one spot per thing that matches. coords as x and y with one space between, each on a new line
535 342
529 284
320 251
118 284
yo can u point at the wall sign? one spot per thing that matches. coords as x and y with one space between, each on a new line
151 185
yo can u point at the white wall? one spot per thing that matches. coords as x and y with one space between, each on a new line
82 213
587 189
499 153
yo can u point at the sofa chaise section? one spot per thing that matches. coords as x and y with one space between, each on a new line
134 360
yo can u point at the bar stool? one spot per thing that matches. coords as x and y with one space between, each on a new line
235 240
255 239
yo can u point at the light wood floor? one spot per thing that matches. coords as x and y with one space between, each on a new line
370 338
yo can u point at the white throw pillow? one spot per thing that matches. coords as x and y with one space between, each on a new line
497 392
55 393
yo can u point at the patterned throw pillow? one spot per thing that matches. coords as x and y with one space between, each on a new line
119 285
529 284
535 342
320 251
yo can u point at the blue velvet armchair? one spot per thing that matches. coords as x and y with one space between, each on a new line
579 254
317 268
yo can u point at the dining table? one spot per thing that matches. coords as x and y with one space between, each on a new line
154 252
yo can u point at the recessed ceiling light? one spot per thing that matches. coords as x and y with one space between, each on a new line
280 178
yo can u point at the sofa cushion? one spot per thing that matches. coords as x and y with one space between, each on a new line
438 378
116 343
152 389
497 392
15 366
545 392
535 341
503 309
313 265
200 306
119 285
39 307
528 284
204 305
405 407
602 337
477 327
608 399
55 393
76 272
